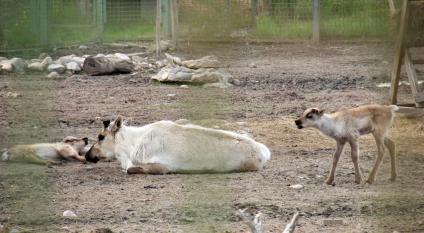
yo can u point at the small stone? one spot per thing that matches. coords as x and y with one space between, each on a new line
252 65
296 186
236 82
69 214
184 86
54 74
73 67
171 95
56 67
83 47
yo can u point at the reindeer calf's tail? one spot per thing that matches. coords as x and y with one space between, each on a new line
394 108
5 155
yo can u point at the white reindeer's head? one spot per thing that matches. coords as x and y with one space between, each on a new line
104 148
309 118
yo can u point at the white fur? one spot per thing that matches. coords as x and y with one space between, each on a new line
187 148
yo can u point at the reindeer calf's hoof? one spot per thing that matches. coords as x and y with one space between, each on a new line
330 182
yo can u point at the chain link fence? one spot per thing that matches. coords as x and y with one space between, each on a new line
41 23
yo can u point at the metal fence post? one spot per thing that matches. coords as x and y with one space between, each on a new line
165 18
43 19
315 23
254 4
174 22
99 9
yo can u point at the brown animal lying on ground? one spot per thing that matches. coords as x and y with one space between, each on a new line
71 148
347 126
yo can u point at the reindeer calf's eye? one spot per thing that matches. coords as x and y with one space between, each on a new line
101 137
309 116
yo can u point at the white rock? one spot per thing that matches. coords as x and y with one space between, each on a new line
36 66
73 66
6 66
2 59
184 86
171 95
100 55
296 186
252 65
204 62
53 74
122 56
69 214
83 47
42 56
47 61
19 65
206 77
56 67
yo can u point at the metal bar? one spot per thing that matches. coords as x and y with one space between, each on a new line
316 20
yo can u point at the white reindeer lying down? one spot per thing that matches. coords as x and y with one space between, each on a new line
167 147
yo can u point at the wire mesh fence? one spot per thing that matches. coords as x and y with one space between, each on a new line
34 23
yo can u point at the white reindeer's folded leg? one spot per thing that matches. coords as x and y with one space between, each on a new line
150 168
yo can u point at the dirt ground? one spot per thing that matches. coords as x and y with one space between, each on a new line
278 81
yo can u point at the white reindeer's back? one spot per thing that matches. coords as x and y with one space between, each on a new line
194 148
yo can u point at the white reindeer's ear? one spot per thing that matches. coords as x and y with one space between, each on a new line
117 124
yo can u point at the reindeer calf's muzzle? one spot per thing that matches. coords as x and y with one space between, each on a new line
298 124
90 158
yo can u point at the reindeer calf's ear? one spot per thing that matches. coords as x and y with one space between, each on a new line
117 124
106 123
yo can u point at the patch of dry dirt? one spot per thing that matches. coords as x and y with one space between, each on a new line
287 79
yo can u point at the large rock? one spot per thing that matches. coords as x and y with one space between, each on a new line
204 62
177 74
122 56
56 67
36 66
6 66
53 75
73 66
47 61
70 58
206 77
19 65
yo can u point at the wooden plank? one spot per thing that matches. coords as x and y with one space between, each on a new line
411 111
412 75
397 63
393 11
316 20
158 28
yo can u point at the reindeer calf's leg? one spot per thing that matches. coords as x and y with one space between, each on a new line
354 147
336 157
380 146
392 150
150 168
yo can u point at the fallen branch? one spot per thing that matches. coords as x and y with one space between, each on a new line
255 224
292 225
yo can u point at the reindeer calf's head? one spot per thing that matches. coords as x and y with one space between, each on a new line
77 143
104 148
309 118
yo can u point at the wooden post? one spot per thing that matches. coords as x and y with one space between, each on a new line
400 52
98 10
174 22
413 81
158 19
44 24
315 23
254 5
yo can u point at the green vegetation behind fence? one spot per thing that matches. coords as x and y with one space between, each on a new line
42 23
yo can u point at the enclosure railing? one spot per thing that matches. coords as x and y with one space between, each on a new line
46 23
